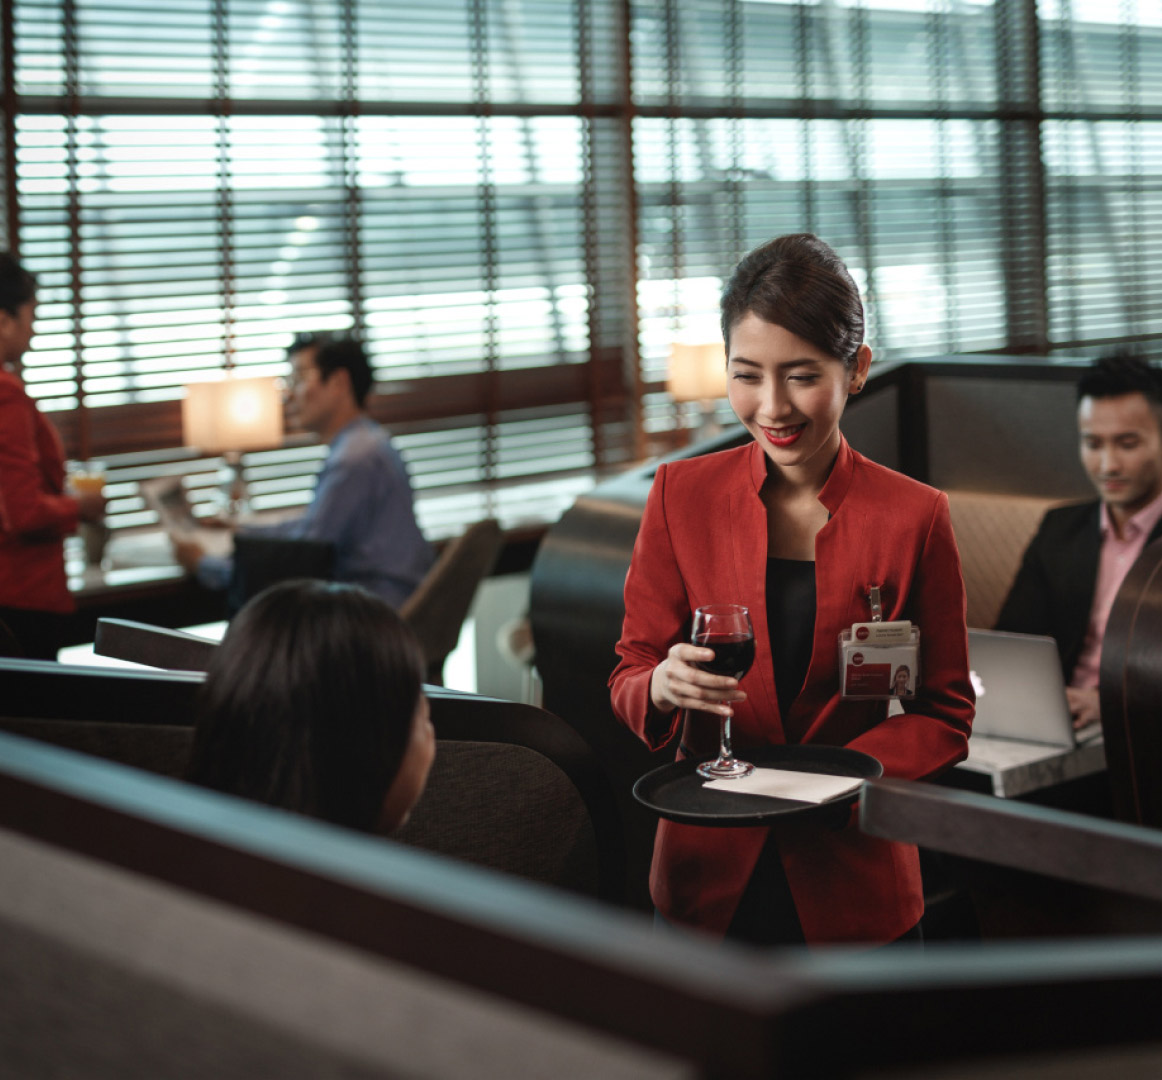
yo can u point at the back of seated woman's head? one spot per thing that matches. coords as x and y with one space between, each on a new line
313 702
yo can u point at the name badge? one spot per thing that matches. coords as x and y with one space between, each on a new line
877 659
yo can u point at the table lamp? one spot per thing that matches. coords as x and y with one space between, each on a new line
698 373
230 416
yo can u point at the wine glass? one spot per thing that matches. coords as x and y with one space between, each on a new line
725 628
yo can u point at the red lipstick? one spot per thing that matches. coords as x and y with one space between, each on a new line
783 437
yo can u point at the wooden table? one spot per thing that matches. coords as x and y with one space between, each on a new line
138 580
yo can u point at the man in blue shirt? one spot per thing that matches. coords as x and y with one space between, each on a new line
363 498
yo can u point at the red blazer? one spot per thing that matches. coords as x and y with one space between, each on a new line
35 514
703 540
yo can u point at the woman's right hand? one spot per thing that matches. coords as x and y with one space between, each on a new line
90 505
187 553
678 683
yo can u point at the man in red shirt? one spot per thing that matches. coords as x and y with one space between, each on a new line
35 512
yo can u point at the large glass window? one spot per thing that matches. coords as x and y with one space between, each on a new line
520 204
195 182
990 169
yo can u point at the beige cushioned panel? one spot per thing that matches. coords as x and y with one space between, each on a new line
992 532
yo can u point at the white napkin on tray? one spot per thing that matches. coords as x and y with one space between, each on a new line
788 784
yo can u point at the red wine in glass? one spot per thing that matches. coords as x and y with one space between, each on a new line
725 628
733 654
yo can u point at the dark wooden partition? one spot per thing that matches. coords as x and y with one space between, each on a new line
706 1010
1031 871
47 690
153 646
1131 692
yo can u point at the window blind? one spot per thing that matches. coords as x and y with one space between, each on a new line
990 170
1102 68
196 182
520 204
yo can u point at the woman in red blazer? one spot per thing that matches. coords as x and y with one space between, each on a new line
797 526
35 512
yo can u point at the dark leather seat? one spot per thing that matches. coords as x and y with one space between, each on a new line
514 788
260 562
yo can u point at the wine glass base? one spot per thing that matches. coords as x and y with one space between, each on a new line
725 769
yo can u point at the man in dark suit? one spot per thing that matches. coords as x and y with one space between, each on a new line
1075 564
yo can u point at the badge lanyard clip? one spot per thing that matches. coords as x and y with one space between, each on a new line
877 609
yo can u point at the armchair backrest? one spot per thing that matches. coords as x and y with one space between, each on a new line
139 718
515 788
436 610
992 532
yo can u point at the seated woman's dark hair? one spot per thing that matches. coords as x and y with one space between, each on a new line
800 284
309 703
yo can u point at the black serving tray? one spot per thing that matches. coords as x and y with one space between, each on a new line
676 792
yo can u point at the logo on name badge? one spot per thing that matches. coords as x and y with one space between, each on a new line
862 633
857 658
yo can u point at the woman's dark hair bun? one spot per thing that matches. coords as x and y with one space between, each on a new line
799 283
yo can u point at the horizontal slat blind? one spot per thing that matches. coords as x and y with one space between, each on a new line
197 181
918 138
520 204
1102 69
869 125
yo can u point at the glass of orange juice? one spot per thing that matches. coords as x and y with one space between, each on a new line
88 477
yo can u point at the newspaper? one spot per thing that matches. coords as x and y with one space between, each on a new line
166 495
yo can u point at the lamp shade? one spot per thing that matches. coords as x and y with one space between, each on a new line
232 414
697 372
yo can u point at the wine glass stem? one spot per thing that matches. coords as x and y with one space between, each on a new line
725 753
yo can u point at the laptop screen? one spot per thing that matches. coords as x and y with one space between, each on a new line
1020 691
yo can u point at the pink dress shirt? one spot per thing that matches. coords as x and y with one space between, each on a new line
1118 554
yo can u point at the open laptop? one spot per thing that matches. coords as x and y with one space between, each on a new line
1020 691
